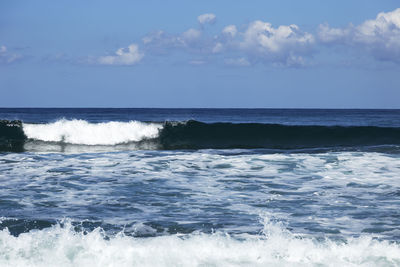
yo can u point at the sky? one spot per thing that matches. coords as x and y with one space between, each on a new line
200 54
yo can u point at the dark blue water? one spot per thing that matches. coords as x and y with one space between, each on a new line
356 117
192 187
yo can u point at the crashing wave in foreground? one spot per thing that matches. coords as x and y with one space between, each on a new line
19 136
61 245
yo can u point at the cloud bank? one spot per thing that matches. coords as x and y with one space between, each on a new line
260 42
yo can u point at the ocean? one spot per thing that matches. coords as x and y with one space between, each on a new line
199 187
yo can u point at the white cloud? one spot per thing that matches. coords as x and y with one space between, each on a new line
386 25
123 56
162 43
263 37
191 35
152 37
282 44
332 35
379 36
8 57
218 48
207 18
230 30
258 42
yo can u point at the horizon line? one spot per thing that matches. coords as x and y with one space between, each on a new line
304 108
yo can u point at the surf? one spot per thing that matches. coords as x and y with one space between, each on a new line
62 245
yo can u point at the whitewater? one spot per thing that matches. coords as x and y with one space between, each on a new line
85 133
62 246
195 187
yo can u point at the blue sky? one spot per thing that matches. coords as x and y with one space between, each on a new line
266 54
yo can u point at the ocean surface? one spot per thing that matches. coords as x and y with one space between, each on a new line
199 187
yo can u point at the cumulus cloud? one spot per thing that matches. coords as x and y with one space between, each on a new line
191 35
379 36
207 18
268 40
230 30
257 42
160 42
7 57
123 56
284 44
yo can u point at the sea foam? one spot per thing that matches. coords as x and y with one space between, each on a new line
60 245
85 133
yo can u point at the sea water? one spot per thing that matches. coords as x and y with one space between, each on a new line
199 187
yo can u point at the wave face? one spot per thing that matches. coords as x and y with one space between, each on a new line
198 135
61 245
12 136
17 136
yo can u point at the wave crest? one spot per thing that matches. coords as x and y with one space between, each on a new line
85 133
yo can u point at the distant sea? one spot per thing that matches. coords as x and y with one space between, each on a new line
199 187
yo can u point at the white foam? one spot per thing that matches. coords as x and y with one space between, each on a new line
85 133
62 246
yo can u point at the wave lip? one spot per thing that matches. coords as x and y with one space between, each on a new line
81 132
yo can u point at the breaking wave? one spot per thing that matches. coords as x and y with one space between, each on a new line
19 136
62 245
80 132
